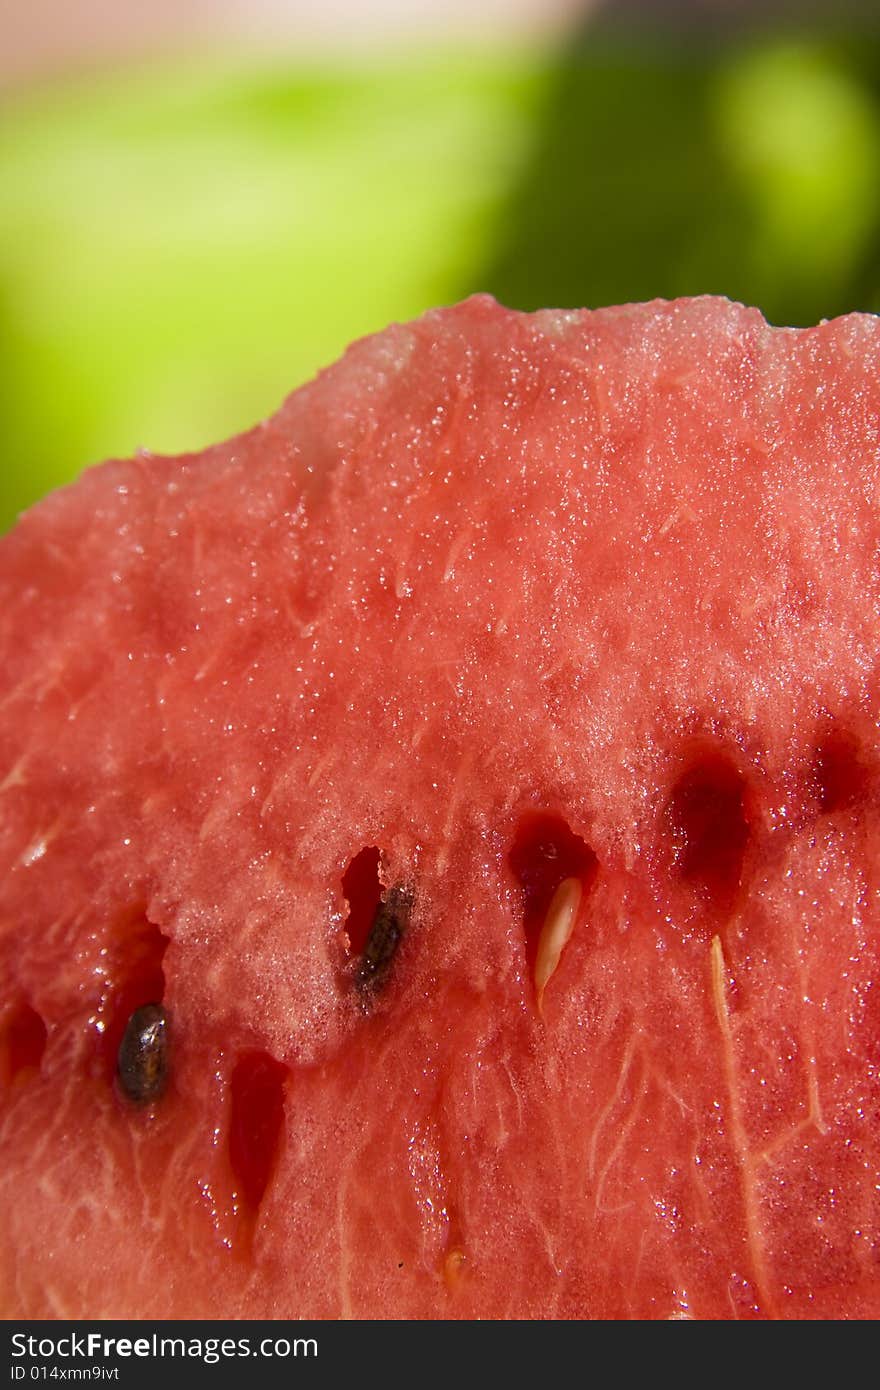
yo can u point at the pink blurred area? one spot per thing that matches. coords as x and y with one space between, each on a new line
44 38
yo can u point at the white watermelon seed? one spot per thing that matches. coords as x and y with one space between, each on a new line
557 928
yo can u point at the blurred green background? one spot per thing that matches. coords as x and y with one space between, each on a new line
184 240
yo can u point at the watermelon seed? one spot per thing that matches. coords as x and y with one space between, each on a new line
390 922
454 1265
558 927
142 1067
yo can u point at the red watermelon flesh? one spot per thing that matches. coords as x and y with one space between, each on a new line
478 762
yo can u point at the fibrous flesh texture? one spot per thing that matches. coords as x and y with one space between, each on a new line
476 764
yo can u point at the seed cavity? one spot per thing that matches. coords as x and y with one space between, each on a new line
389 925
131 976
840 771
362 887
256 1124
708 815
23 1037
143 1062
555 869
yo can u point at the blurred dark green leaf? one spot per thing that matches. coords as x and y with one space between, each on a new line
686 165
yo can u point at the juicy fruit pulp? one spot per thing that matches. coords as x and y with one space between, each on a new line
532 657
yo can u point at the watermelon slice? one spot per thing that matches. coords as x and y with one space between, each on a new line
439 839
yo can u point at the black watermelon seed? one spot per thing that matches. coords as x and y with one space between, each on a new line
389 925
142 1066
